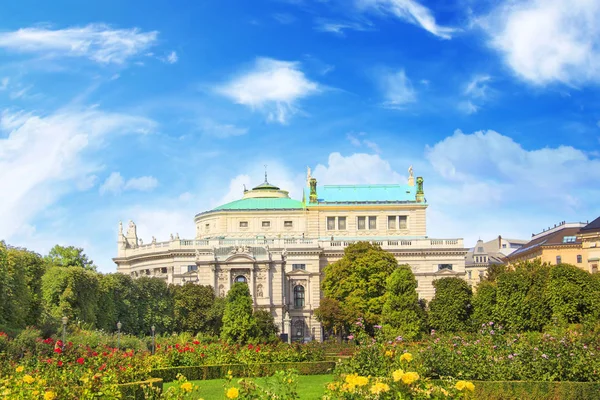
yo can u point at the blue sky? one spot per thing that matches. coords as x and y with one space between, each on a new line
155 111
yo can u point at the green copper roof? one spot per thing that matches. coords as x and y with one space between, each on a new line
264 203
339 194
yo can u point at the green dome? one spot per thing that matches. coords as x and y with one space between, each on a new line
262 203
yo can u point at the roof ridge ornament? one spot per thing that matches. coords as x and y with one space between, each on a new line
266 181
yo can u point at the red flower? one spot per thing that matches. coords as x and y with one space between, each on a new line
102 367
94 354
57 350
80 360
196 342
49 361
59 363
250 346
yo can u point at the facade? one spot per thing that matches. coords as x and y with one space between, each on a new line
486 254
280 246
589 236
556 245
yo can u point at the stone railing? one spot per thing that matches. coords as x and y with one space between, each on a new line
291 243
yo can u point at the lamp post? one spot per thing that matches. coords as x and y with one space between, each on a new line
64 322
153 342
119 325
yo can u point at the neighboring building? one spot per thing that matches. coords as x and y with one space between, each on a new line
280 246
556 245
589 236
485 254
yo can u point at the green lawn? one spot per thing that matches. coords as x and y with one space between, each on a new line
310 387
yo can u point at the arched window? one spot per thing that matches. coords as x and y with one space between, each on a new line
241 278
299 296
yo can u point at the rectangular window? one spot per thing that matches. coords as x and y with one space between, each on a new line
480 249
361 222
503 245
392 222
206 227
163 270
372 222
558 260
266 224
569 239
342 223
330 223
299 266
243 224
444 266
402 222
579 259
288 224
192 268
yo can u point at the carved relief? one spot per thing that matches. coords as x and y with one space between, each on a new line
221 291
259 290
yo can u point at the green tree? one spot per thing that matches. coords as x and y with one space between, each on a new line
215 316
573 295
15 298
155 304
484 304
118 303
521 302
192 306
402 313
450 309
70 256
331 315
72 292
358 280
239 325
266 326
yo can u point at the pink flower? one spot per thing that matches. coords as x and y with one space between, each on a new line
350 337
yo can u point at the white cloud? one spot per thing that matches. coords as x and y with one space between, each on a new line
409 11
44 157
545 41
4 83
477 87
143 183
468 107
220 131
116 184
172 58
271 86
355 141
396 88
339 27
355 169
98 42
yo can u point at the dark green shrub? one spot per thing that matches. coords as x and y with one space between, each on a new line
450 309
521 390
135 390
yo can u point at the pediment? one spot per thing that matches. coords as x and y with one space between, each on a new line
240 257
446 272
300 272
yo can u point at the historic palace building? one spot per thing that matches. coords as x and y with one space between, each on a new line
280 246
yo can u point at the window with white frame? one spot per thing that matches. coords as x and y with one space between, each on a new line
372 222
342 223
299 266
361 223
266 224
402 222
392 222
243 224
330 223
288 224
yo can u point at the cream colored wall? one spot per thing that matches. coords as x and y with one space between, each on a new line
567 255
227 223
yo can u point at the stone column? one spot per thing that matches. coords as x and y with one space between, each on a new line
287 321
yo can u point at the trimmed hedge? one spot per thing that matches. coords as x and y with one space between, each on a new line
532 390
203 372
134 390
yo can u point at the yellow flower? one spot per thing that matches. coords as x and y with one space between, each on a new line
462 385
356 380
28 379
444 392
49 396
36 392
379 388
389 353
397 375
333 386
187 386
406 357
232 393
229 372
20 368
410 377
